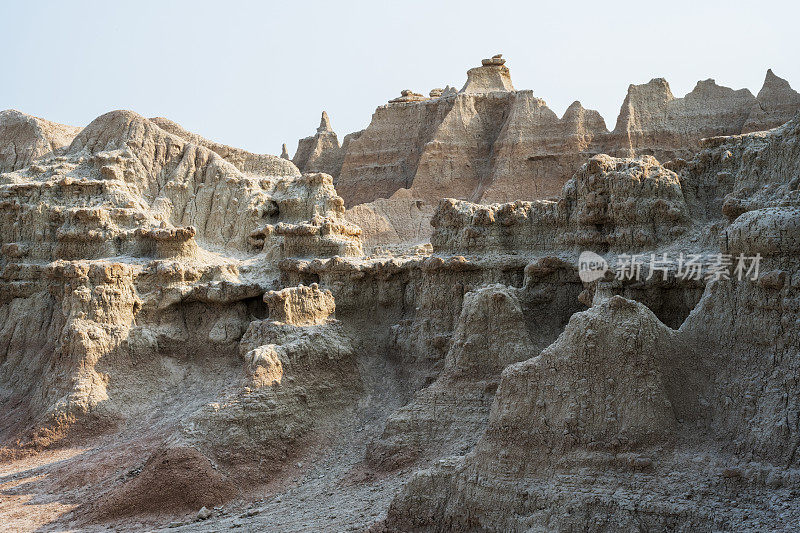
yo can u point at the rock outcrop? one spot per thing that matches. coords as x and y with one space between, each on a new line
119 235
491 143
623 422
321 152
180 328
652 121
776 103
24 138
491 76
123 176
299 365
393 220
536 144
610 204
247 162
385 156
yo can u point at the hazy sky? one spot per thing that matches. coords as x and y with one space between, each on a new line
255 75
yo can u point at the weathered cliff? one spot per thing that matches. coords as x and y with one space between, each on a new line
24 138
624 422
320 152
491 143
180 328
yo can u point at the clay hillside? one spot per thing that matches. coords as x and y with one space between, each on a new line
438 324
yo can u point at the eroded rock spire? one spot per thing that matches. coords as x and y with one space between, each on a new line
324 123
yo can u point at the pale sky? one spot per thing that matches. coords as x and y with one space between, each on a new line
254 75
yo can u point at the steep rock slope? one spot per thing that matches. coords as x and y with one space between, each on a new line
24 138
393 220
777 103
200 335
624 422
385 156
536 144
610 203
491 143
115 246
247 162
321 152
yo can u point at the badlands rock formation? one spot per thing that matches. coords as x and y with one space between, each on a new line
194 336
491 143
624 422
322 152
24 138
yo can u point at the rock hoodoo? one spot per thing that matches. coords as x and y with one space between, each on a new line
407 95
321 152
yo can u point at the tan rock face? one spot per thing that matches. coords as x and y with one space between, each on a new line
181 328
491 76
777 103
123 177
610 203
536 144
491 143
300 306
393 220
111 238
570 417
590 400
321 152
652 121
320 236
385 156
490 333
259 164
24 138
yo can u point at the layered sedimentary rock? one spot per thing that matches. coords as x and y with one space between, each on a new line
393 220
624 422
491 332
247 162
215 336
776 103
299 365
610 203
321 152
123 175
24 138
385 156
491 143
491 76
320 236
535 144
132 243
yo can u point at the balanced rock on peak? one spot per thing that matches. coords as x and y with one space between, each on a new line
491 76
407 95
495 61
